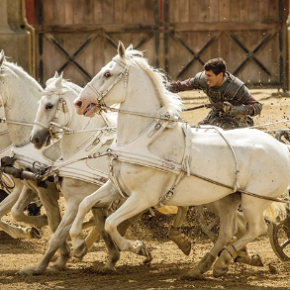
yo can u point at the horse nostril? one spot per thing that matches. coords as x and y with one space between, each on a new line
78 104
36 140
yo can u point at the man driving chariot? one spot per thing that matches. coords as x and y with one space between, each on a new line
232 104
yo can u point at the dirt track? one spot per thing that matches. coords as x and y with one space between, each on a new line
168 262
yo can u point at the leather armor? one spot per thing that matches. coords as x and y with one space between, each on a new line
233 90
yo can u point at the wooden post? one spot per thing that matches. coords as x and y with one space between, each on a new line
16 36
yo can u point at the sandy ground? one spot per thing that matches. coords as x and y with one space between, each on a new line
168 261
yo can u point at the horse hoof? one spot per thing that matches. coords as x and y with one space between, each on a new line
180 240
28 271
220 272
141 249
256 260
221 266
193 274
147 262
21 273
35 233
56 268
108 270
80 251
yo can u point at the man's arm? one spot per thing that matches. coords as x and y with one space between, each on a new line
253 106
248 105
180 86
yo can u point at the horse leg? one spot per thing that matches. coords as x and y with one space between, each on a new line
253 212
226 209
114 253
130 208
5 207
57 240
108 193
175 234
244 256
23 201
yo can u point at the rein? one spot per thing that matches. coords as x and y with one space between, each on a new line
3 120
101 106
165 117
62 107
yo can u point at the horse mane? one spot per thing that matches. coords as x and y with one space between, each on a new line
167 99
21 72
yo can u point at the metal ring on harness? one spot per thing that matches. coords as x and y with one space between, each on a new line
4 184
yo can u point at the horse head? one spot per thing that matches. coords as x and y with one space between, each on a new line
53 112
113 79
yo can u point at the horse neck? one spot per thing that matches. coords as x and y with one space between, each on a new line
21 106
5 140
141 99
71 143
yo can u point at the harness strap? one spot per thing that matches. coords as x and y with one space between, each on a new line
231 250
167 195
57 181
240 190
113 178
187 152
236 186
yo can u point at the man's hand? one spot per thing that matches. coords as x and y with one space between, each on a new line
236 111
227 107
171 87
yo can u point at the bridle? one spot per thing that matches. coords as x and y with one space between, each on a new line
101 95
61 108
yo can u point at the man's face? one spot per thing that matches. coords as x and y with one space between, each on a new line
212 79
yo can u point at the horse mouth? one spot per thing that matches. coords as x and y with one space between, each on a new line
90 109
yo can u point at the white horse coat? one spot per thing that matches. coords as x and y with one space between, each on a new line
264 163
15 85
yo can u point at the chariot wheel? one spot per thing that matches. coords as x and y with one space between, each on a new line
279 236
283 136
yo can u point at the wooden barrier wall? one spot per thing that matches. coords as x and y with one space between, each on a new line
81 36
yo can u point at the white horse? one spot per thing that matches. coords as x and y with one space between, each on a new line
19 96
5 147
156 160
15 84
77 180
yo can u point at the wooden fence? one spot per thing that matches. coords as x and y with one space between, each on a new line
80 36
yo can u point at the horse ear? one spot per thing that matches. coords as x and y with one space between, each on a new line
121 49
130 47
2 57
58 82
56 75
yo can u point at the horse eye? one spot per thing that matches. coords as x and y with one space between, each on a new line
107 74
48 107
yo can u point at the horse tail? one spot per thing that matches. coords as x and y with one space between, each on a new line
276 211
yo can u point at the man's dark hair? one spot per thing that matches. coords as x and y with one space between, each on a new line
217 65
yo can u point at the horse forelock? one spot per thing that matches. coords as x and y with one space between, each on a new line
167 99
